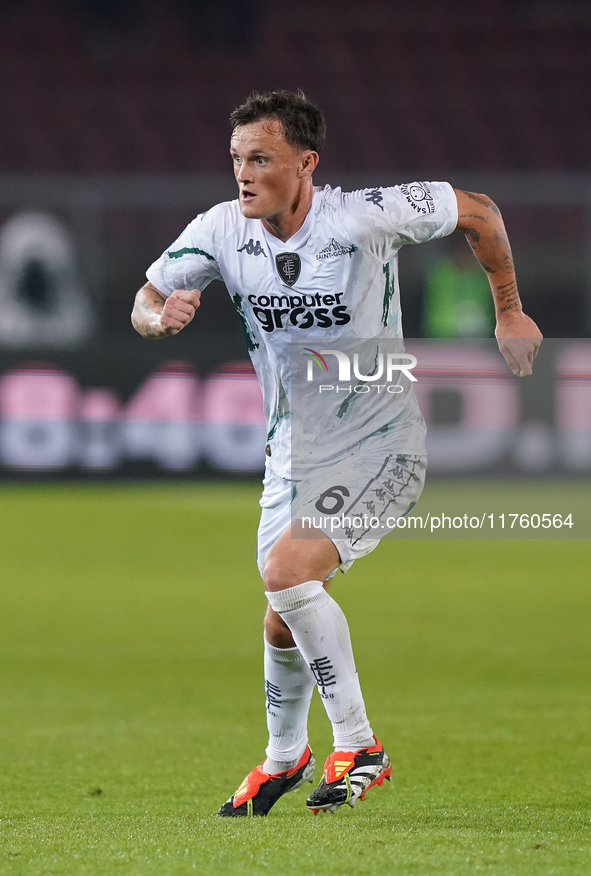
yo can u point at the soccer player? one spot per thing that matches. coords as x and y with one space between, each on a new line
301 261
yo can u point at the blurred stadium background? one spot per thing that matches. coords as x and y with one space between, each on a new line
114 135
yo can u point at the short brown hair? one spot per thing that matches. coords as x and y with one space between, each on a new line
303 124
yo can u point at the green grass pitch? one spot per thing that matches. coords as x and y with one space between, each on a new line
131 700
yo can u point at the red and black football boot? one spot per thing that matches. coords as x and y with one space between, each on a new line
348 776
260 791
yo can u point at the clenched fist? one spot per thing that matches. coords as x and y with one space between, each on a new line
519 340
179 310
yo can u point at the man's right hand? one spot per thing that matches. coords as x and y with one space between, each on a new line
179 310
156 316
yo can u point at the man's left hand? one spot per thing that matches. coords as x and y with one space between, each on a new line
519 340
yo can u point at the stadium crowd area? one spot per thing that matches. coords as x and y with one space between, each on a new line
146 86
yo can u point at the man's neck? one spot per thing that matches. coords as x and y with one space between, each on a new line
285 225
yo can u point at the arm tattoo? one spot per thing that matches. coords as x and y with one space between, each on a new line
508 296
157 301
473 216
148 331
473 237
480 248
484 202
473 233
490 245
149 304
506 255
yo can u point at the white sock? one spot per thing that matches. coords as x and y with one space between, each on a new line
320 631
289 685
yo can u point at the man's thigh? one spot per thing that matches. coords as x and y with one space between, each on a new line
365 486
275 515
357 501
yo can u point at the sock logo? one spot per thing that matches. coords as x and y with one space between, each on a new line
273 694
321 670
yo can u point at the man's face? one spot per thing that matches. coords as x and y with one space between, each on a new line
268 170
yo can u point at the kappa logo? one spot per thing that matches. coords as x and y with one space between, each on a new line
418 195
335 249
252 248
375 196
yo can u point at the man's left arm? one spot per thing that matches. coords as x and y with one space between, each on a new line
518 336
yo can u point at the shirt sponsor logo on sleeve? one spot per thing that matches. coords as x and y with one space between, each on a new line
419 196
335 249
252 248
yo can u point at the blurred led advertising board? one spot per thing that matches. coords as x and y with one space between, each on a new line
481 419
174 421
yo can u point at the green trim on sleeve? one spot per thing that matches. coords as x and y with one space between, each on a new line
187 250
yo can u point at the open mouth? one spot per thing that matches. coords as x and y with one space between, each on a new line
246 195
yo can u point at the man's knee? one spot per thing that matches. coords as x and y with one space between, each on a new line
276 572
282 570
277 632
292 561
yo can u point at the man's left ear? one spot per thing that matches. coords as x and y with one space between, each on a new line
308 163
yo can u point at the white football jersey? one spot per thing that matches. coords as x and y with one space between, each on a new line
337 277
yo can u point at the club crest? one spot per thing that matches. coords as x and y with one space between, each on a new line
288 266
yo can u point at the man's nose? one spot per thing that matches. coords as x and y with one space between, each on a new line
243 174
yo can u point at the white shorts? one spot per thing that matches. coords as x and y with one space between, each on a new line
355 502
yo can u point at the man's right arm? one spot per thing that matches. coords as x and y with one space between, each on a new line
156 316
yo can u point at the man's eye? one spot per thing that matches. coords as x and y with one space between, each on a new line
261 160
236 159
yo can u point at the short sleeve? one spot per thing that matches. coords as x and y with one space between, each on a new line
387 218
190 262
